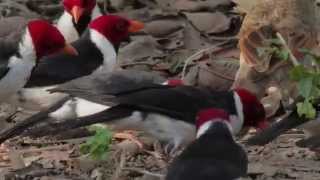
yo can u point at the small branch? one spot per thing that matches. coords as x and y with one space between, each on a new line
144 172
120 167
285 45
211 49
188 61
138 63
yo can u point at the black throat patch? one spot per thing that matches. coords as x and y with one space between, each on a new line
82 24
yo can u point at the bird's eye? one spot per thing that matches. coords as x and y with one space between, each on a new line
85 3
121 26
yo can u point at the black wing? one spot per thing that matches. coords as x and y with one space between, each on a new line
103 84
215 155
181 102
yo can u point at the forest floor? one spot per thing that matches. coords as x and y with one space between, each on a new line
61 159
203 33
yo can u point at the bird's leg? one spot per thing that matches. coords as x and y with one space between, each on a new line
3 153
13 116
130 136
172 148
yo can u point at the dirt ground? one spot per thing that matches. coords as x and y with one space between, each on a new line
60 159
176 31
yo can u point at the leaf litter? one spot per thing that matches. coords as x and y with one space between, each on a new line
195 39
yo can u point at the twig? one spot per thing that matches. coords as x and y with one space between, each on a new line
285 45
188 61
138 63
217 38
144 172
38 150
120 167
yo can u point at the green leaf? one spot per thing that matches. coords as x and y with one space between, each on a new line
305 87
274 41
310 56
283 54
299 72
315 92
306 109
305 51
264 51
98 145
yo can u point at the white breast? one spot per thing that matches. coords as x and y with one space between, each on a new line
35 99
16 78
66 27
168 129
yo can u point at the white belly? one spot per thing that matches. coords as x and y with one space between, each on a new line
35 99
166 129
86 108
75 108
15 79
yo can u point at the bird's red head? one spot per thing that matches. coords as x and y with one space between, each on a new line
77 8
253 111
47 39
206 117
115 28
173 82
211 114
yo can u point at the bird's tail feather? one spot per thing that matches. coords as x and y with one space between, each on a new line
31 121
108 115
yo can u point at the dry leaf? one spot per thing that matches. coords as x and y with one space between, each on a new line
209 22
245 5
191 5
193 39
142 47
163 27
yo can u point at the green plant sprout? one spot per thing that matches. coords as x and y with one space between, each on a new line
307 79
98 145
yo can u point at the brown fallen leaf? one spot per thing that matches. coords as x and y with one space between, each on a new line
245 5
294 21
216 70
194 40
173 41
207 22
163 27
142 47
191 5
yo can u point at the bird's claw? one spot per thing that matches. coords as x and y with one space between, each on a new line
171 149
130 137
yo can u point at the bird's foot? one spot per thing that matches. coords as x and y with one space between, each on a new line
130 136
3 153
171 149
13 116
316 150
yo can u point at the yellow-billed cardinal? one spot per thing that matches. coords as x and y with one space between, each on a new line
115 82
164 111
96 48
214 154
39 39
76 17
